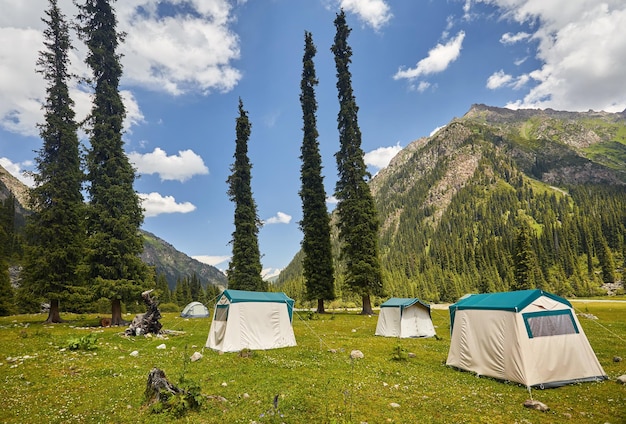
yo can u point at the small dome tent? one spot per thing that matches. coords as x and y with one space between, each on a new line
195 310
529 337
404 317
251 320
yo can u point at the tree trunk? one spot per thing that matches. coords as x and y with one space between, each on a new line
54 316
367 305
116 312
320 306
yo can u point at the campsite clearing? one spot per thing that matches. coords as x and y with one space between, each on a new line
316 381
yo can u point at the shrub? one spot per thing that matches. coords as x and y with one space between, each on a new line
169 307
88 342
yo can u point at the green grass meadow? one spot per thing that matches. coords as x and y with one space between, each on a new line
316 382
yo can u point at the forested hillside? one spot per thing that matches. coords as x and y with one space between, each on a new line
500 200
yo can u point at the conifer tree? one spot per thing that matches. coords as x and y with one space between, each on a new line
525 261
244 269
318 259
55 232
358 219
114 266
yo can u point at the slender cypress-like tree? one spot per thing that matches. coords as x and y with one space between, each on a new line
358 219
114 266
55 232
244 269
318 258
525 260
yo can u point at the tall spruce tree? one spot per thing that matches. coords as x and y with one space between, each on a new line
318 259
357 216
244 269
114 266
55 232
525 260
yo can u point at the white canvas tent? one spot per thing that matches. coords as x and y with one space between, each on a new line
251 320
404 317
529 336
195 310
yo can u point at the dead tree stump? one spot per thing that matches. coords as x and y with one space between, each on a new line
158 388
147 322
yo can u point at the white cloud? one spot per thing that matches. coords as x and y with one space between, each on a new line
280 218
510 38
179 167
175 54
182 52
269 273
332 200
211 260
375 13
581 50
154 204
422 86
498 79
438 59
380 158
16 170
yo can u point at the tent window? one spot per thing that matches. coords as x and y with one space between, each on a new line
221 313
550 323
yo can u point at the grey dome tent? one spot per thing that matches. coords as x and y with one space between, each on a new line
195 310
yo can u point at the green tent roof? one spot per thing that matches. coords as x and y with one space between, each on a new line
513 301
402 302
241 296
505 301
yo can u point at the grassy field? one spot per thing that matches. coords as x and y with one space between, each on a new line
43 381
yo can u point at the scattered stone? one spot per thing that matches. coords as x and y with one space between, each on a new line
621 379
354 330
246 396
161 346
535 404
385 384
567 415
356 354
394 405
332 350
411 355
196 356
134 353
224 384
617 359
588 316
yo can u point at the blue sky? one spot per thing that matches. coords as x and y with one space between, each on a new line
416 65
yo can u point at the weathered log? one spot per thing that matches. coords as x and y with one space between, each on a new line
147 322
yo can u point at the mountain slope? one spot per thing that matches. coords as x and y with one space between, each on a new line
157 252
450 205
176 265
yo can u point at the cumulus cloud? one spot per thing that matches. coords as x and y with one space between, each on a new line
211 260
581 50
510 38
191 49
438 59
17 171
380 158
179 167
375 13
280 218
155 204
498 79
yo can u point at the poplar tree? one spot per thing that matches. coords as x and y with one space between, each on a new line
525 261
357 216
244 269
318 259
55 231
114 266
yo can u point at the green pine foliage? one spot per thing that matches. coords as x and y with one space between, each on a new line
317 262
115 214
244 269
358 219
55 232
